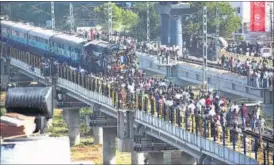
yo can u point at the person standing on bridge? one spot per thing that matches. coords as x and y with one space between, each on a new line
261 123
244 114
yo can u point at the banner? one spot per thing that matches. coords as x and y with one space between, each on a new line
257 17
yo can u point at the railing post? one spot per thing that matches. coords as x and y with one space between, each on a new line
244 141
205 126
224 137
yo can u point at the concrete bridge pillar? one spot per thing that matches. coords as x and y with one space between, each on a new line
2 71
109 146
164 29
156 158
73 121
188 159
137 158
98 135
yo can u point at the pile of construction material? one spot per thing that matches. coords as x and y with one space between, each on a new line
16 125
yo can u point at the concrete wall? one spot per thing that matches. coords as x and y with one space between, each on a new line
36 150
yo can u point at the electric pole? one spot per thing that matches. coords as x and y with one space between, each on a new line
52 16
109 20
217 33
71 18
148 28
271 27
204 49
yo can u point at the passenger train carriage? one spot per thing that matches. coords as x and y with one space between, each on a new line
64 47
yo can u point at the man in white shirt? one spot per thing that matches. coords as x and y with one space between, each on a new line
191 107
236 107
261 123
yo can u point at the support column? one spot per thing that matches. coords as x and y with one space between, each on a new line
98 135
176 36
188 159
137 158
2 71
164 29
73 117
109 146
156 158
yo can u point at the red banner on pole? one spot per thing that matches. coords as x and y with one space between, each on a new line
257 16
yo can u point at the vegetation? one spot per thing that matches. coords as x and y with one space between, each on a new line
2 103
227 19
122 19
139 30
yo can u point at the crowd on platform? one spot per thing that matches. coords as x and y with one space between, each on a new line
257 72
258 75
171 102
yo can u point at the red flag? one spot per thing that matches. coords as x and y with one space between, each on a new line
257 16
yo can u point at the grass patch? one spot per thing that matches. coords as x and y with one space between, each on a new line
59 127
2 103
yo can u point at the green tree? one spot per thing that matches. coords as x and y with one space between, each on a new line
227 19
121 19
139 30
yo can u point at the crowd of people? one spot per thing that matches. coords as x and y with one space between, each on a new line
257 72
177 104
258 75
131 88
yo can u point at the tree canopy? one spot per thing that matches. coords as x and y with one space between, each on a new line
228 20
139 30
122 19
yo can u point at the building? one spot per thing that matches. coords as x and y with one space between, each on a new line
243 10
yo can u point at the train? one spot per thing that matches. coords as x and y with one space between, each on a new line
61 46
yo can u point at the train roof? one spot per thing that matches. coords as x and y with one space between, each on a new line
68 39
99 43
18 26
42 33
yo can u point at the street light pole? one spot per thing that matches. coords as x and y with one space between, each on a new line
109 20
217 33
71 18
271 27
148 28
204 83
52 16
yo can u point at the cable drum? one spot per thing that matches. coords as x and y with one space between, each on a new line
34 101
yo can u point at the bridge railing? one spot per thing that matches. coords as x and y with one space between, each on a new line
192 140
26 67
87 94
